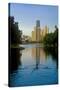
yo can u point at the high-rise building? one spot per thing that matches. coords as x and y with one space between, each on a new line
34 34
38 31
38 23
46 30
38 34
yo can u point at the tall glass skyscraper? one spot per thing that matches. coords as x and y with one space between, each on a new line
38 30
38 34
38 23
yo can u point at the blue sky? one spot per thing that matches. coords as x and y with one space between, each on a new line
27 14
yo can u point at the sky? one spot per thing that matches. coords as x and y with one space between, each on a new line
27 14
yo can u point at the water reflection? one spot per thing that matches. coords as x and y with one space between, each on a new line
36 54
53 51
35 66
14 60
41 54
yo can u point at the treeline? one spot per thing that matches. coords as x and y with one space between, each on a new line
51 39
15 36
14 33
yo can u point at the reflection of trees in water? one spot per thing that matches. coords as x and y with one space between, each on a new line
40 55
15 59
53 51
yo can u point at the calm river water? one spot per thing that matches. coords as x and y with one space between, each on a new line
33 65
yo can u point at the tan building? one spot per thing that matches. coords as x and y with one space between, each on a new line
38 33
34 35
46 30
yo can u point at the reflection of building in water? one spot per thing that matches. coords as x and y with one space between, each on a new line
36 55
38 33
39 55
42 56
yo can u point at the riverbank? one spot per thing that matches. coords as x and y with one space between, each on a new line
16 47
52 46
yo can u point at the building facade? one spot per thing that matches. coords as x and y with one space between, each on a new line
38 34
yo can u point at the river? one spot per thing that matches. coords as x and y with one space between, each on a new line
33 65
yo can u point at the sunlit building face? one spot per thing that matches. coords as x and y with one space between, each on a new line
38 33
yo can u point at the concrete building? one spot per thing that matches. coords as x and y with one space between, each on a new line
46 30
34 35
38 33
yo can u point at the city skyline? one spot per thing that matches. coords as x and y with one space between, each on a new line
27 14
38 34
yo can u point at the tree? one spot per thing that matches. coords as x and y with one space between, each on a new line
55 39
14 32
51 38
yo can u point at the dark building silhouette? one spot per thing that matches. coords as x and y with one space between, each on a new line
38 23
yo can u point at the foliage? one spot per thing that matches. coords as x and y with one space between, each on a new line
14 32
51 39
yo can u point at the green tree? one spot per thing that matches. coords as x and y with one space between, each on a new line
14 33
51 39
55 38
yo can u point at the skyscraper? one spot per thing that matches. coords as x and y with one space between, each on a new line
38 23
38 34
38 31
